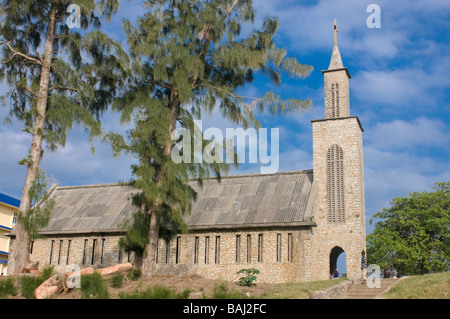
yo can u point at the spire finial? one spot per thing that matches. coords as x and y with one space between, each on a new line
336 61
335 32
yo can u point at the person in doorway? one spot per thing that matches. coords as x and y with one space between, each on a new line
336 274
363 266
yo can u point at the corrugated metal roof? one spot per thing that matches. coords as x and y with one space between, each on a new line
237 201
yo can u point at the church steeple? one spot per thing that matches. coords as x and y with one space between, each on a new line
336 61
337 103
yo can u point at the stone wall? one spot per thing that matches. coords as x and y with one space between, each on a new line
349 235
281 258
64 250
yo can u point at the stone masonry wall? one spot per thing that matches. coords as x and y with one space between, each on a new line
341 78
349 235
285 263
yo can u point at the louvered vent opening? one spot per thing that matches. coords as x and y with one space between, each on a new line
335 184
335 100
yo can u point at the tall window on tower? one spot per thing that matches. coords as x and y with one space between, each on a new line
335 184
334 100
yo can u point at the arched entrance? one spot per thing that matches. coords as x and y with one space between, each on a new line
335 253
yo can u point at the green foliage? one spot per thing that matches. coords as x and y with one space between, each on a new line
117 281
38 216
86 70
189 57
134 274
156 292
413 234
8 287
221 291
249 278
93 286
30 283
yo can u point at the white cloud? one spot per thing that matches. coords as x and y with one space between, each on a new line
400 134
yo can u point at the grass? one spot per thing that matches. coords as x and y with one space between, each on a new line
155 292
93 286
30 283
300 290
430 286
8 287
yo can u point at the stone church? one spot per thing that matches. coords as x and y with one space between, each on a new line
291 226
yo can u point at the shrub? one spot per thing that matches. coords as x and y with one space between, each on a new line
7 287
30 283
134 274
249 278
156 292
117 281
93 286
222 292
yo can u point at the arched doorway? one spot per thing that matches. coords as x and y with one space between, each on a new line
337 260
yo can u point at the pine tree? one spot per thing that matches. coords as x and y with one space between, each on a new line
57 78
187 58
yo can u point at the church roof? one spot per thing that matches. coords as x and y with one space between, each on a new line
242 201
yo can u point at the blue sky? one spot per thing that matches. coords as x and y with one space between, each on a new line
399 90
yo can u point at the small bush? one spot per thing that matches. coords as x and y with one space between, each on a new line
93 286
117 281
30 283
222 292
249 278
47 272
134 274
156 292
7 287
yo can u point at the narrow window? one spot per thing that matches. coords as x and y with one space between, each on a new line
51 252
335 100
178 248
238 249
289 247
207 250
119 257
260 248
157 252
68 251
14 221
196 241
278 248
84 252
101 253
59 251
249 248
335 184
217 250
94 243
31 246
167 255
128 255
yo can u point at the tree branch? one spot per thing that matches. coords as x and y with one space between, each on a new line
23 55
29 90
60 87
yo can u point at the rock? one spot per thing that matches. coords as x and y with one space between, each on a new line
116 269
31 265
47 288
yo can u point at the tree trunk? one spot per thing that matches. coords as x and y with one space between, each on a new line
153 234
21 251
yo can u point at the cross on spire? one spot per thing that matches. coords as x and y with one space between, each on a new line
335 32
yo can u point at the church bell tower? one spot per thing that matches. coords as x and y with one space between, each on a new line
338 176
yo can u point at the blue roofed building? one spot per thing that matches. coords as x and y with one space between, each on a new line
9 208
